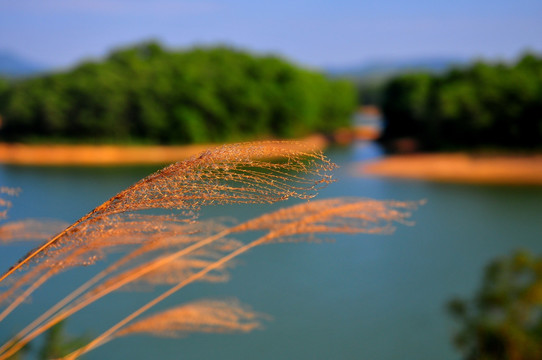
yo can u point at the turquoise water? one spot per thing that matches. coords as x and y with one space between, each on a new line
361 297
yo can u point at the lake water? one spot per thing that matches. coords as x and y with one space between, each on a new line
361 297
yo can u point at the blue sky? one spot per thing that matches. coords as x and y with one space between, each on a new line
314 33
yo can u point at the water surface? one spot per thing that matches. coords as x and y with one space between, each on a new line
361 297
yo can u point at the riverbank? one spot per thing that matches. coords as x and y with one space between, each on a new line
460 168
108 155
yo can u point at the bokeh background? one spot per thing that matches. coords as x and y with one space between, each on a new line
372 78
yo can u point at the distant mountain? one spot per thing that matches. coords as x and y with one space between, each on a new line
378 70
12 65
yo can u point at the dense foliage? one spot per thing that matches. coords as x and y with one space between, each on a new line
484 105
504 319
147 93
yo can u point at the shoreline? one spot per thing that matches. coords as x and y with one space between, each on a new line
110 155
459 168
443 167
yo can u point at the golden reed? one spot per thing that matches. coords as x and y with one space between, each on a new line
177 249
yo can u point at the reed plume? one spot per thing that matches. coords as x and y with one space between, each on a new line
178 249
208 316
30 230
239 173
5 204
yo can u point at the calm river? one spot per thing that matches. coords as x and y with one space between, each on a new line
369 297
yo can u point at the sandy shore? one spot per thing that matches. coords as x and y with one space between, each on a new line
460 168
105 155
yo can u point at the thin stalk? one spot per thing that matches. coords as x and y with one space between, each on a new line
35 285
25 294
54 309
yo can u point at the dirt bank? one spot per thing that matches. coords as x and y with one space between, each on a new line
90 155
461 168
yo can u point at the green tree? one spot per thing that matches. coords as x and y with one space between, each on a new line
406 106
151 94
504 318
483 105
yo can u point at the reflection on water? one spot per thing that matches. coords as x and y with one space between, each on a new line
366 150
362 297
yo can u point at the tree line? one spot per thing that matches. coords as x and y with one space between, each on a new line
480 106
146 93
